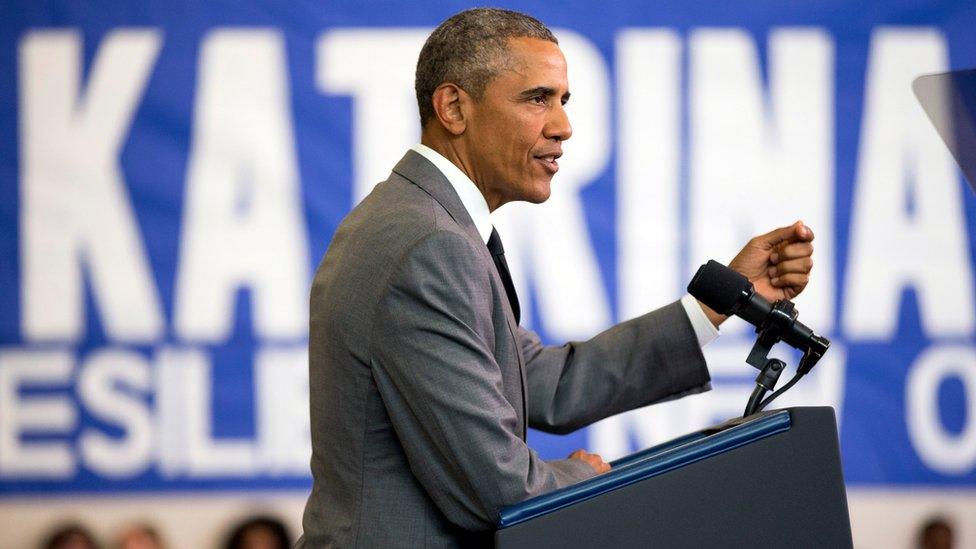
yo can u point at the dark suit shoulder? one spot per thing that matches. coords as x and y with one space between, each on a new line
377 236
395 214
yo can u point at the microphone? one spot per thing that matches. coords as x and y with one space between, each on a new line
730 293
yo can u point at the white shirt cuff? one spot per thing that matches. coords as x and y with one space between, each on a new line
705 331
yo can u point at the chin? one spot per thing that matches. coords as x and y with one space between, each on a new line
539 194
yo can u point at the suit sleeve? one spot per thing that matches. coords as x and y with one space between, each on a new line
652 358
442 387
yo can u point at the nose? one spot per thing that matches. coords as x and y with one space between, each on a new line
558 126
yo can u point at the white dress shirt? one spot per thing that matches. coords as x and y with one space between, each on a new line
476 205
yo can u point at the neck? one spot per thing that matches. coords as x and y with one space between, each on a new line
453 148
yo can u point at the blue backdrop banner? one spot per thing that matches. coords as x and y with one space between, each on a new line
172 173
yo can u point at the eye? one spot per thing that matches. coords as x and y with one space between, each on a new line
541 99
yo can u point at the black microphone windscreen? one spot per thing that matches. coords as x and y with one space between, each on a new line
718 286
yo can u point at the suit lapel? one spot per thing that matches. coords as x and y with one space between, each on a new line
425 175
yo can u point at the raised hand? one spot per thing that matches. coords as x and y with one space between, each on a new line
778 263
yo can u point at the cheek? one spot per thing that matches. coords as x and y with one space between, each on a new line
508 140
510 143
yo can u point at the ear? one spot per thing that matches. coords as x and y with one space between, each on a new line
447 100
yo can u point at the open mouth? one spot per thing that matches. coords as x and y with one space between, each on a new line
549 162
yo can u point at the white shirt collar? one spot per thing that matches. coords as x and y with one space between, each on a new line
471 198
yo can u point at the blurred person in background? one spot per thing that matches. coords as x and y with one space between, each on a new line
139 536
936 533
70 536
259 532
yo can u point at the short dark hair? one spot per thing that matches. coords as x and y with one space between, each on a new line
69 535
935 533
267 523
469 49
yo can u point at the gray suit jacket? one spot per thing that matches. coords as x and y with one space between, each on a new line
422 386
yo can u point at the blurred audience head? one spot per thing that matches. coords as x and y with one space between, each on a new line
260 532
936 533
70 536
139 536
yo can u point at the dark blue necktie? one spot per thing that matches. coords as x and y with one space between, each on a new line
498 255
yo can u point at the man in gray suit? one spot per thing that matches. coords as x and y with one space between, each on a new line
422 382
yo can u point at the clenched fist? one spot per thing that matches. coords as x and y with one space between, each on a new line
777 264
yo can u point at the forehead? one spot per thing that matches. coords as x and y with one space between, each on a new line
536 61
536 52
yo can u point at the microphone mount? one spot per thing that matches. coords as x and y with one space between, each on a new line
774 327
730 293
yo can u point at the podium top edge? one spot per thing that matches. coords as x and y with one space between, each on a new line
667 457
